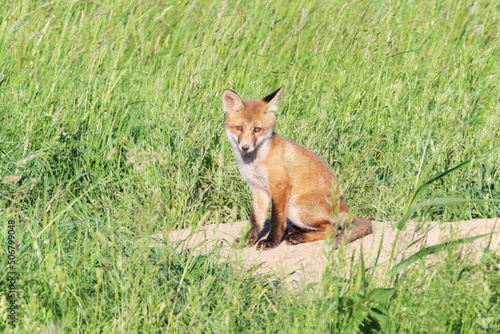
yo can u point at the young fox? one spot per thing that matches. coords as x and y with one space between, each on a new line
295 180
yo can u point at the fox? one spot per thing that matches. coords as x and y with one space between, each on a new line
294 180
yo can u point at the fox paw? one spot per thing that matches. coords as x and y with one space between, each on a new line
294 238
266 244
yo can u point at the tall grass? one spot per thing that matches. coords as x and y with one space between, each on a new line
111 128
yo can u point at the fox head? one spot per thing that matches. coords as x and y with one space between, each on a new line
249 122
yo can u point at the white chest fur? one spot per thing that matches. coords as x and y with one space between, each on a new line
251 167
255 174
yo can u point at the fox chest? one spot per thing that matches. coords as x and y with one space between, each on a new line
255 174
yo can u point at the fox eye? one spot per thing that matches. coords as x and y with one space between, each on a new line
239 128
257 130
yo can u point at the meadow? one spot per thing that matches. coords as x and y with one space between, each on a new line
111 128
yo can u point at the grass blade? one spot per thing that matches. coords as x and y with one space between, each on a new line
441 202
419 191
380 295
401 266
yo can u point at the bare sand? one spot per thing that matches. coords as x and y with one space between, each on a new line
304 263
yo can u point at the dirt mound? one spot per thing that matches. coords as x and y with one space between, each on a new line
305 262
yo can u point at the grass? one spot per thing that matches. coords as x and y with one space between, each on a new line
111 128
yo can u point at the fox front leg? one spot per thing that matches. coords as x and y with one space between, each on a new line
278 221
260 206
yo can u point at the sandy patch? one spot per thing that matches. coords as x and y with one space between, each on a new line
305 262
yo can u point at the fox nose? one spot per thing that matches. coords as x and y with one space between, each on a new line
245 147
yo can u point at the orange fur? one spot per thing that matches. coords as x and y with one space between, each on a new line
295 180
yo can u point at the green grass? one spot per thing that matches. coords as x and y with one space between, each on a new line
111 128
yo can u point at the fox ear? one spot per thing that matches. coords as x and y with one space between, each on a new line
231 101
272 100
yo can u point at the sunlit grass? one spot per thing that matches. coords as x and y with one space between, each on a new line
111 128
